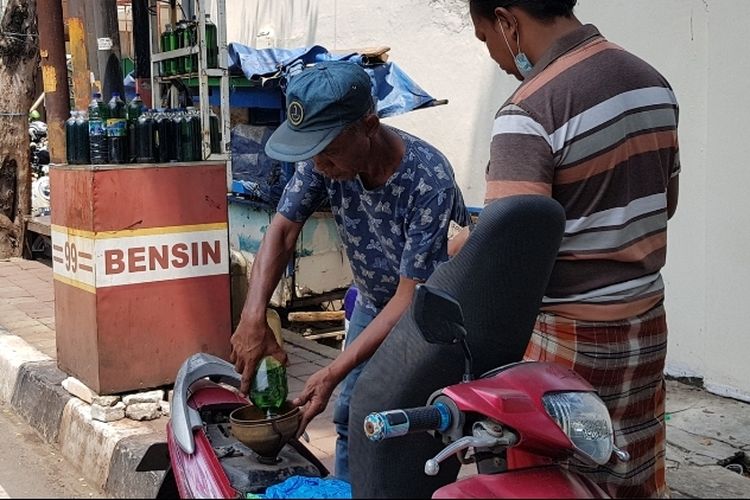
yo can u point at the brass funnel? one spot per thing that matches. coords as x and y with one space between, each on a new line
265 436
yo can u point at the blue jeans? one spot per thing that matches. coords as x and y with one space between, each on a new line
358 322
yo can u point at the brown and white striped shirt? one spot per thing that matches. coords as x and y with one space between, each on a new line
595 128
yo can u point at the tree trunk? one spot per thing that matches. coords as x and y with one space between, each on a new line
19 61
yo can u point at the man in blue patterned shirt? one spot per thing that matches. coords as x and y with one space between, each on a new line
393 197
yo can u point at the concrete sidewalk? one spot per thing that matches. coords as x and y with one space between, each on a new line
705 432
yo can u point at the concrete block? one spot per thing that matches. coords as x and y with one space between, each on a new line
106 400
143 411
39 398
90 444
108 413
144 397
14 352
165 407
79 390
124 481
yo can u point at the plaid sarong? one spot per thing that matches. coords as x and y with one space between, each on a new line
624 361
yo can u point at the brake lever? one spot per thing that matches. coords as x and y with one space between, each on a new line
432 466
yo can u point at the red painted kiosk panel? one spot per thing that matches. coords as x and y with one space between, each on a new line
141 267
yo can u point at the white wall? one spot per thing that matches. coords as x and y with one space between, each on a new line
701 46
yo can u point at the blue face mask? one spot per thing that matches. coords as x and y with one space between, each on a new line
523 64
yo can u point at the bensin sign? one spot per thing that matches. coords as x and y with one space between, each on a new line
89 260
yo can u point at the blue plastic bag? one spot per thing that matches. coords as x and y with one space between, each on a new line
310 487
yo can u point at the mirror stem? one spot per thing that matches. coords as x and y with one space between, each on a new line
468 361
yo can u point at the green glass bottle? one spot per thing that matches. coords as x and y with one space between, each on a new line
169 43
212 49
180 36
269 389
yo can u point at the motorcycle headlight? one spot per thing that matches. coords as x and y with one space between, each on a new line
585 420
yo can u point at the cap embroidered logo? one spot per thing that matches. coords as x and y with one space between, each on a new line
296 113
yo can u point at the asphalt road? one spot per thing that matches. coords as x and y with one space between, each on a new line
31 468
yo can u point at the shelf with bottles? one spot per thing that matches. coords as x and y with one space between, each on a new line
181 47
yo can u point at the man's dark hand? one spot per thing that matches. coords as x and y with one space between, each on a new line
315 396
251 342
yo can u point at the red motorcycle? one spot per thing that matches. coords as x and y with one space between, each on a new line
517 423
219 445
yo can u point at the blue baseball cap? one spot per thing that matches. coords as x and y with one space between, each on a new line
321 101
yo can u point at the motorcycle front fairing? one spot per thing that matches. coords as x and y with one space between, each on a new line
513 396
538 482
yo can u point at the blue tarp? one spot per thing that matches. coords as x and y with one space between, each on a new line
395 92
260 177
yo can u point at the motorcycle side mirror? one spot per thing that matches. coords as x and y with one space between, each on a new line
441 321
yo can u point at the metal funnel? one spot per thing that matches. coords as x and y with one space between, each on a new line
265 435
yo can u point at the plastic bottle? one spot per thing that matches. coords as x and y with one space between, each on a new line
117 131
212 47
194 118
82 138
175 139
184 128
161 124
168 43
71 146
98 131
145 134
134 110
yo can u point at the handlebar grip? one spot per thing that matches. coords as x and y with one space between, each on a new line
394 423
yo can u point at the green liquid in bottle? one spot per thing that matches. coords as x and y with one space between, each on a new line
269 389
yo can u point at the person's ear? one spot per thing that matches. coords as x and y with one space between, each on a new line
504 18
371 123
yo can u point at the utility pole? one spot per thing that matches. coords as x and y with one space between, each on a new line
54 74
79 54
108 70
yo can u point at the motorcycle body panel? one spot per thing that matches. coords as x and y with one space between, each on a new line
198 475
513 397
541 482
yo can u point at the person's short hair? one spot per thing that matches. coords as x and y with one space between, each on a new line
541 9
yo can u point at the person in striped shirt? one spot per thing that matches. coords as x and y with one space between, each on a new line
594 127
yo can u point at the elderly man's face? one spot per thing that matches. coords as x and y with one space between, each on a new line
341 160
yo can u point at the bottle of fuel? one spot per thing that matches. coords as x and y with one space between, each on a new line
134 110
269 389
117 131
145 134
169 43
98 131
194 118
212 47
71 147
82 138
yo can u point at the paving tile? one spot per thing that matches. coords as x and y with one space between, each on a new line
302 369
327 446
16 325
